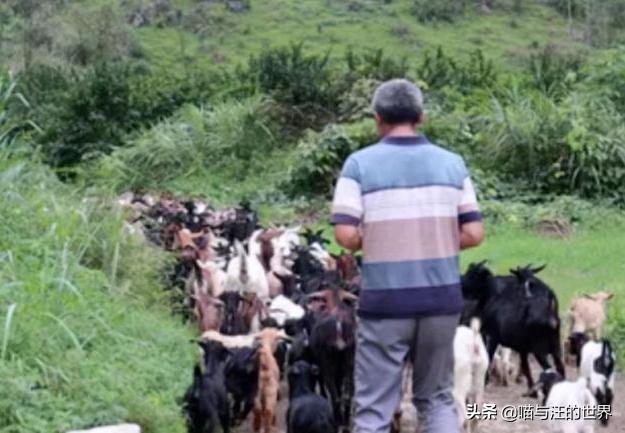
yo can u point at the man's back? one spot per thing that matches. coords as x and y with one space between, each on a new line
410 196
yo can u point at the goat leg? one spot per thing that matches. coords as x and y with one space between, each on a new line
525 368
556 353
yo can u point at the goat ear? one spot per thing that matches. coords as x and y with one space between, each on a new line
516 272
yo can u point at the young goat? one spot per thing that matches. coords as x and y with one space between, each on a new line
470 366
206 401
266 401
597 367
308 412
571 394
587 313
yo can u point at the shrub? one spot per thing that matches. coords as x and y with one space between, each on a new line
303 84
439 70
229 136
554 73
320 156
91 118
374 65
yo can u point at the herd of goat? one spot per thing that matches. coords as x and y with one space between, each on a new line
273 303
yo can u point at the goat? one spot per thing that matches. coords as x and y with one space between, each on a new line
333 345
249 272
518 311
242 380
208 311
307 412
282 309
206 401
571 394
546 381
587 313
574 344
502 368
597 366
266 401
470 367
233 323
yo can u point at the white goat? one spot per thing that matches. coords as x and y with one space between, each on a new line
282 309
470 366
503 369
597 367
230 341
571 394
247 270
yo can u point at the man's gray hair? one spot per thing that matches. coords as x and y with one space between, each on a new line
398 101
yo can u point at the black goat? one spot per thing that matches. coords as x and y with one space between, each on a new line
206 401
242 381
234 321
333 344
308 412
518 311
546 380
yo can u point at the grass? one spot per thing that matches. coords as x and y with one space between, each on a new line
338 26
88 337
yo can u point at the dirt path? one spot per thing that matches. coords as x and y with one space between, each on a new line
501 396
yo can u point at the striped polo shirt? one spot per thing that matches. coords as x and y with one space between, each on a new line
410 197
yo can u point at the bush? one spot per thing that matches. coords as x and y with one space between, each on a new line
87 113
438 70
91 118
303 84
320 156
440 10
229 137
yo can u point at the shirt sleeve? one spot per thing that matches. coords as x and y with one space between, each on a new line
347 206
468 209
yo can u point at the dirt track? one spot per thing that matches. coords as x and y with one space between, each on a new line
501 396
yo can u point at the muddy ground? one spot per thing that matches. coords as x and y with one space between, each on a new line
501 396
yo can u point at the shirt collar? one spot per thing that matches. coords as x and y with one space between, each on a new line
405 140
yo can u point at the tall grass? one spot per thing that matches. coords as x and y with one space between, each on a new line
91 340
227 152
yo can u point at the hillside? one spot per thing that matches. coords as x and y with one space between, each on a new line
359 24
184 33
261 101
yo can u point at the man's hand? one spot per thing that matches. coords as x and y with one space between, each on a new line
348 236
471 234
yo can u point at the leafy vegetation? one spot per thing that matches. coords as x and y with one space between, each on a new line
87 335
201 100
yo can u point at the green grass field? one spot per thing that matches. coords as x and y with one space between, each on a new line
336 26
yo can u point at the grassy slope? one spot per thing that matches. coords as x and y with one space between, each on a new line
331 25
91 340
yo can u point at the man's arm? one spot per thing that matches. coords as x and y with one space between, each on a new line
347 208
348 236
471 234
472 231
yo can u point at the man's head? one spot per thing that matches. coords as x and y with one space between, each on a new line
398 103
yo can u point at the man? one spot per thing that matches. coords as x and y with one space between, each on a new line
411 207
